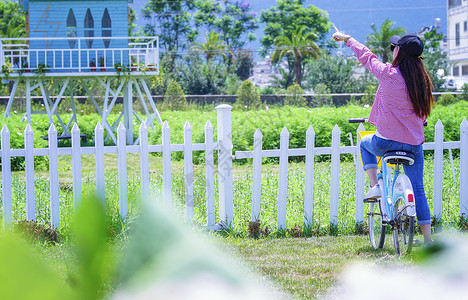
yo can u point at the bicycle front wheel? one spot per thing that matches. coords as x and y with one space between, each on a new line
376 229
403 229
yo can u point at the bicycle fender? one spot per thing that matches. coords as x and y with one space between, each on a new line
404 189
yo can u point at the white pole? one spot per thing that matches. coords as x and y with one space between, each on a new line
438 168
29 170
28 100
335 175
464 168
144 162
257 176
209 185
76 166
6 176
188 168
225 164
129 109
283 178
100 177
122 166
167 175
54 177
309 177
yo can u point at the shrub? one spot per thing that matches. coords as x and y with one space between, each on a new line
322 96
174 97
248 96
369 95
447 99
464 92
294 96
38 232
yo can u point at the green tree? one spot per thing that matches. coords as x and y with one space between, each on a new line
379 41
282 80
132 25
174 97
434 58
284 19
243 64
294 96
322 96
198 77
248 96
13 20
337 72
212 47
171 22
298 48
232 19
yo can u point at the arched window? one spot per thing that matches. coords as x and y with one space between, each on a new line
71 28
106 26
89 27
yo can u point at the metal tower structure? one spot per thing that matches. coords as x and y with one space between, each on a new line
66 45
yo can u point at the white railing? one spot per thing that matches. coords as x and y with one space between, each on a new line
225 169
37 55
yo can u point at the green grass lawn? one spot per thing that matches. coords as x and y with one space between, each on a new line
307 268
301 267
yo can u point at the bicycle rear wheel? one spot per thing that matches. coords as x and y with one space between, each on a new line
376 229
403 229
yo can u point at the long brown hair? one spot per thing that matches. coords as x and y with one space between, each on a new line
418 83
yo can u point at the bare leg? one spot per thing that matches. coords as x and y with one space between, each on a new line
372 173
426 231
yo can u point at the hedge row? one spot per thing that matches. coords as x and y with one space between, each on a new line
244 124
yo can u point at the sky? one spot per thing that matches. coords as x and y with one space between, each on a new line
355 17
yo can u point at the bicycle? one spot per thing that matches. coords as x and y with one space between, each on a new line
396 209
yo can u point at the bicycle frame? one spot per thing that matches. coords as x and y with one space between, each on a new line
387 199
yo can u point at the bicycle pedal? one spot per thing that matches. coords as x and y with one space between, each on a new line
417 243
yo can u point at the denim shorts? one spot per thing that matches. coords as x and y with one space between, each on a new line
372 146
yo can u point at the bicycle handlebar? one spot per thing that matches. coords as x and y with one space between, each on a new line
358 120
365 120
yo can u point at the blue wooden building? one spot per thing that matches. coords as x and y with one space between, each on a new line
85 39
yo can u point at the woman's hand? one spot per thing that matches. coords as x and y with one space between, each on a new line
338 36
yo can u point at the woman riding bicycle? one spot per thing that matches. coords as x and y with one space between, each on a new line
402 104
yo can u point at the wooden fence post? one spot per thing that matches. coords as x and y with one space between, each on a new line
188 170
225 164
54 177
464 168
283 178
209 185
335 175
167 176
29 170
76 165
122 166
309 177
6 177
99 159
257 176
144 161
438 168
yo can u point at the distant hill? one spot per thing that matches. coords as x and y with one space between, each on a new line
355 17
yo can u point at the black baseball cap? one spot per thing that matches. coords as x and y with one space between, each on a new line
411 44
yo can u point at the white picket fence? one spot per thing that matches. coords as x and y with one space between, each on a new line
224 169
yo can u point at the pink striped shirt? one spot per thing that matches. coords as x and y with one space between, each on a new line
392 112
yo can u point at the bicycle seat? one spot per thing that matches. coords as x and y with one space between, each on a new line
399 157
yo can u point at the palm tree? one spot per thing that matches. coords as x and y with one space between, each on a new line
212 47
298 47
379 43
